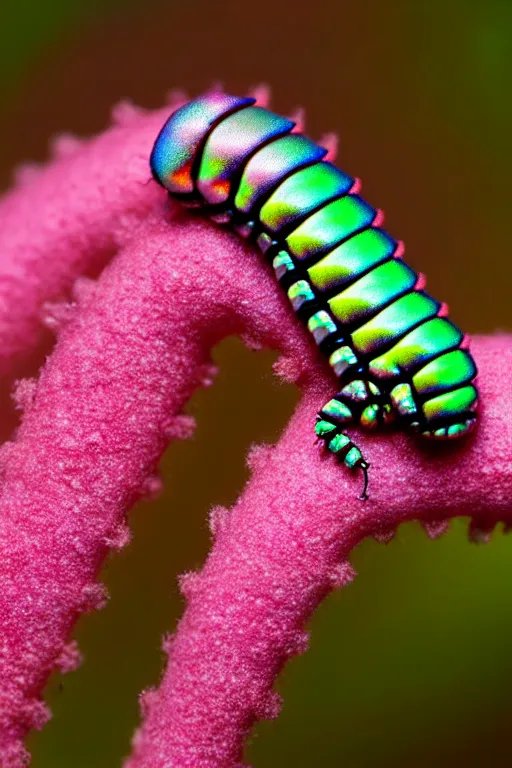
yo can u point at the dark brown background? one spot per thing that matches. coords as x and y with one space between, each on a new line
411 665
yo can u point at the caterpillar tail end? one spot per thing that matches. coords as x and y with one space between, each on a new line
364 466
344 449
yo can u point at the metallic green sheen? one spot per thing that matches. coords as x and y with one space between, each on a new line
338 443
324 428
337 412
394 321
299 293
321 325
420 345
445 372
380 286
230 143
282 263
328 226
402 399
271 163
459 429
342 359
303 192
455 403
352 258
353 456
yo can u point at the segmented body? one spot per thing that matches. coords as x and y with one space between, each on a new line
396 355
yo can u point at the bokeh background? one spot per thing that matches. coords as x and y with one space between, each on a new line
411 665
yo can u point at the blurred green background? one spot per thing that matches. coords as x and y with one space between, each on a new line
410 665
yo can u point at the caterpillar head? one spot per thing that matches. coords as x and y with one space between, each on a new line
173 154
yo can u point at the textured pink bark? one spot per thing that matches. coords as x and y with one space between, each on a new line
102 192
285 545
129 355
95 425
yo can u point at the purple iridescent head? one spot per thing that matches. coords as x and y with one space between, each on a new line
175 148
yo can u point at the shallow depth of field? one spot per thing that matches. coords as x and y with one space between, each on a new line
410 665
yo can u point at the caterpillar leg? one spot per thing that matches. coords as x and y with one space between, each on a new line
370 407
450 432
329 429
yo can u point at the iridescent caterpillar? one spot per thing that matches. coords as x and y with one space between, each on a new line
396 355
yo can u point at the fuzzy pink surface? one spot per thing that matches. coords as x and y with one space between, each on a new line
102 189
131 349
284 546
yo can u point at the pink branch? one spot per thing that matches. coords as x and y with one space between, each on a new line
128 357
68 218
96 424
285 545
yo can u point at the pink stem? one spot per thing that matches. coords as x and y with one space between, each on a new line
96 424
68 218
107 402
285 545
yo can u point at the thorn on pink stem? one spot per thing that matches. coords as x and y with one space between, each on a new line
65 145
24 393
69 658
330 142
125 113
298 117
436 528
263 94
218 520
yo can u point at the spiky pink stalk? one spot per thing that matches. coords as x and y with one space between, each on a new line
284 547
129 355
103 193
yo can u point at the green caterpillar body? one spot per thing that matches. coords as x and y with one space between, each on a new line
396 355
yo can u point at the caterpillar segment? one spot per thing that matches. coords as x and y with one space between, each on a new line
397 357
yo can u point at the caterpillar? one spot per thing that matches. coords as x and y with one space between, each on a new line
396 355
